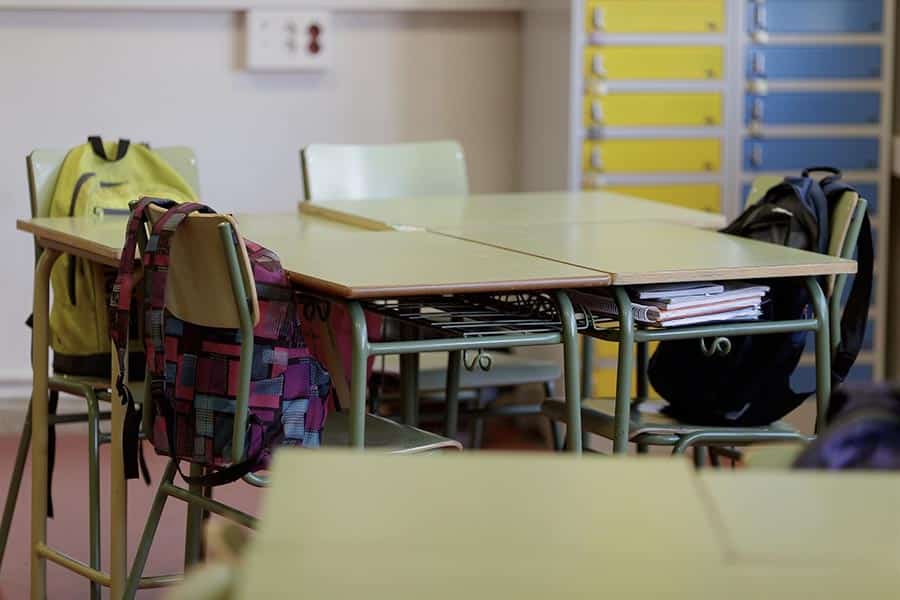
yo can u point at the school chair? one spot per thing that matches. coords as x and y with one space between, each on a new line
43 167
229 300
648 427
427 169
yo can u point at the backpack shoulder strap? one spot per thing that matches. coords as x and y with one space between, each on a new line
856 311
121 299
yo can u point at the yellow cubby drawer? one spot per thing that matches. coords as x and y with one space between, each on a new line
604 381
653 110
652 156
653 62
654 16
706 196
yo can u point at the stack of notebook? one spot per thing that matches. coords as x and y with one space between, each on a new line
672 305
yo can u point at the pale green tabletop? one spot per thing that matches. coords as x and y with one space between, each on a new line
455 526
793 518
489 211
543 526
638 253
343 261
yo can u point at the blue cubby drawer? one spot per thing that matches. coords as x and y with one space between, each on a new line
795 154
804 378
814 108
869 191
816 16
814 62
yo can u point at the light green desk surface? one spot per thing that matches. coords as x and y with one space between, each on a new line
798 518
637 253
344 525
347 262
489 526
488 211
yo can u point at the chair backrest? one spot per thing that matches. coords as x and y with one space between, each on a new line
199 288
760 186
44 164
344 172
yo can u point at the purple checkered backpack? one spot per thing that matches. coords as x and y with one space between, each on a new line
194 370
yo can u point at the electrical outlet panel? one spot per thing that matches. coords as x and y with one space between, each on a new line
279 40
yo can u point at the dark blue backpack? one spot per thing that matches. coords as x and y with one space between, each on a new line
863 431
750 386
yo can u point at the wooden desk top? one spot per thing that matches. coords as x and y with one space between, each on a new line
639 253
805 518
472 526
489 211
343 261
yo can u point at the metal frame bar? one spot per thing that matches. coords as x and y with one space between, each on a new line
362 349
627 333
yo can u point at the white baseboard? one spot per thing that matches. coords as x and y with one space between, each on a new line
15 384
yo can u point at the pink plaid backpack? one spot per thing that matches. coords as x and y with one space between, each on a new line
193 369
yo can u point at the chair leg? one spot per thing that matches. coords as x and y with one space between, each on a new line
714 458
700 456
476 436
556 432
15 482
94 486
194 522
454 363
643 448
208 494
143 549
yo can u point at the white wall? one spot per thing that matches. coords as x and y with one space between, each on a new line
175 78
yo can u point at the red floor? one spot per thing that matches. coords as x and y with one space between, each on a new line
68 530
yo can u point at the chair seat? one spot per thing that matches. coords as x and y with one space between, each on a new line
385 435
598 417
506 370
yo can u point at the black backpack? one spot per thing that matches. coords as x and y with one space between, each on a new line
750 386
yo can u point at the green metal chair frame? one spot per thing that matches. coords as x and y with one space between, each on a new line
367 172
200 499
43 170
682 437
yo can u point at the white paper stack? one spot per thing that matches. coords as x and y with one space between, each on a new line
672 305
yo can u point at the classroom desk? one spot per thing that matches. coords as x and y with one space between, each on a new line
509 526
491 526
643 253
488 211
647 253
823 519
322 257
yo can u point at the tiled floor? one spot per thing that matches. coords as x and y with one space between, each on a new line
68 530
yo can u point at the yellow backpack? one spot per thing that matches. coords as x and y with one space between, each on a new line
99 178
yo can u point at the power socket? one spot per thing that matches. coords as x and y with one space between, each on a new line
279 40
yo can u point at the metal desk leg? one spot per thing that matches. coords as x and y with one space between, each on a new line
587 367
358 358
39 395
623 371
571 371
823 351
118 489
